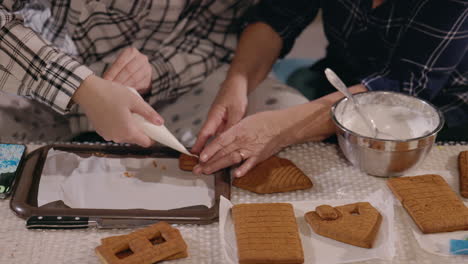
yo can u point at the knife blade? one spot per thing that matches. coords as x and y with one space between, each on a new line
80 222
59 222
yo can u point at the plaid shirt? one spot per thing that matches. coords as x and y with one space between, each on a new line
47 48
418 47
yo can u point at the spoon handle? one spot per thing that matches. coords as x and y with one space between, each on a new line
338 84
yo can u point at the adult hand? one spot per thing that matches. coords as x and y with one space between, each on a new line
259 136
227 110
252 140
109 107
131 68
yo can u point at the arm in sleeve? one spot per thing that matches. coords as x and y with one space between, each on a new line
32 67
198 46
208 39
287 18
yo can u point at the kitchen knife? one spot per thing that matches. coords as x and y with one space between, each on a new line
79 222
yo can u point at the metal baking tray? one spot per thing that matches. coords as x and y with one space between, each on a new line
24 198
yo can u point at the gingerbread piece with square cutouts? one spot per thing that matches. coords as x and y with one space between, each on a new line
149 245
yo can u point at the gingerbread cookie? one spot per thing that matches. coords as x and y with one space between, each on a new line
430 201
187 162
327 212
355 224
463 169
149 245
274 175
267 233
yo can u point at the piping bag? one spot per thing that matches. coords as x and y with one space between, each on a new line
158 133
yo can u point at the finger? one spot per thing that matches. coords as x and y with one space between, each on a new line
103 135
146 111
227 161
127 133
246 167
127 55
117 141
217 144
214 120
132 67
139 79
197 169
121 134
234 116
139 138
226 151
221 128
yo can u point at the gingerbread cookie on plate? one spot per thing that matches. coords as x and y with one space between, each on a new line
355 224
274 175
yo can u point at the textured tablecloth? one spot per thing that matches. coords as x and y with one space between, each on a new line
333 178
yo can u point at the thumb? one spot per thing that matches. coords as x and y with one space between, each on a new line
212 124
147 112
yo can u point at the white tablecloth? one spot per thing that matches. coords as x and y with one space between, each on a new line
333 178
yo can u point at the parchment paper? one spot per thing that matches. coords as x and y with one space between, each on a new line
319 249
129 183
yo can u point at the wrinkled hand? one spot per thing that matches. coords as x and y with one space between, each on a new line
257 137
227 110
109 107
131 68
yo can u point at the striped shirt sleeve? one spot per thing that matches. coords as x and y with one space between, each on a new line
30 66
202 44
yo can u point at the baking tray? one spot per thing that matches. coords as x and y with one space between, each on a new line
24 198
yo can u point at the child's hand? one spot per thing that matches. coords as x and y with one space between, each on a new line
132 69
109 106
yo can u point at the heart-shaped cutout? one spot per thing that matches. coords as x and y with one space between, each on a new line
355 224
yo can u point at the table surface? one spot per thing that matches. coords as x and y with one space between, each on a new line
333 177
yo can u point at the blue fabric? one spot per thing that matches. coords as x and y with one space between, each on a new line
284 68
459 247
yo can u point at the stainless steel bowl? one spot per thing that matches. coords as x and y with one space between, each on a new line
382 157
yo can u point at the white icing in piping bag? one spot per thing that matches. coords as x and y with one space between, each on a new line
158 133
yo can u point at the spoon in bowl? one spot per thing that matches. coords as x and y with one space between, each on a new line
340 86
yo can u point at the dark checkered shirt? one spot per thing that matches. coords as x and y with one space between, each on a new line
419 47
47 47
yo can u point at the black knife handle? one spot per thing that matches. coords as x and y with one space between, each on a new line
57 222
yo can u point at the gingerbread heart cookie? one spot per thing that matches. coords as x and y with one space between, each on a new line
355 224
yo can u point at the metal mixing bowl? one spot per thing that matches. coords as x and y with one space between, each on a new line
384 157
